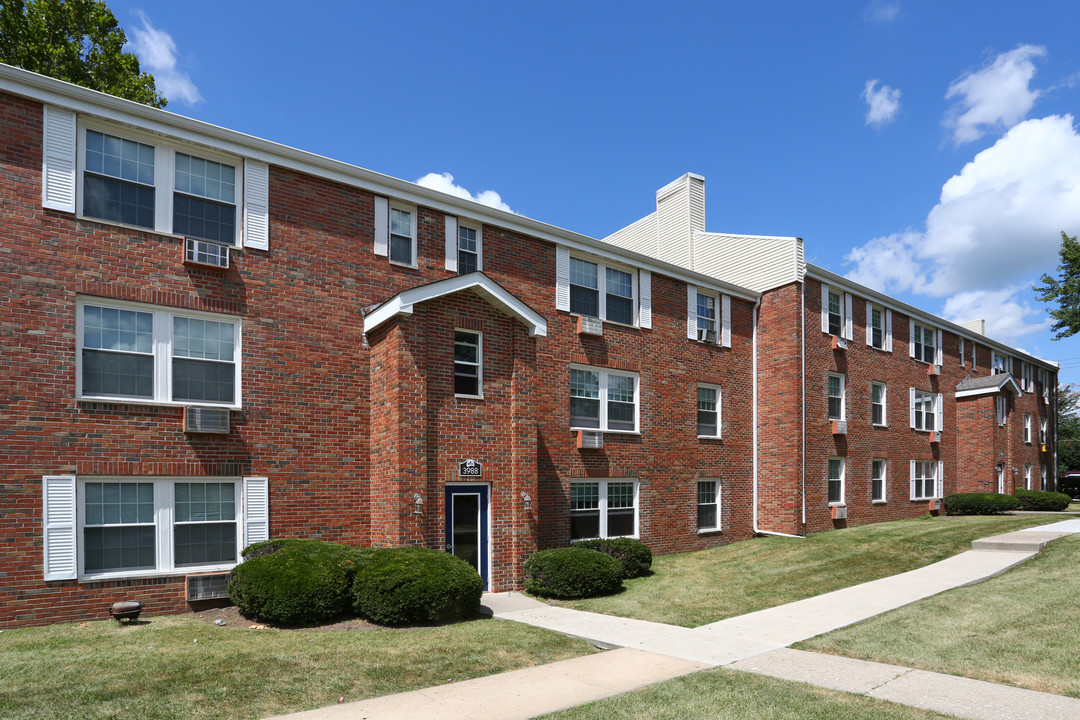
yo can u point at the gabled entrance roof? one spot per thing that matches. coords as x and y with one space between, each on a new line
476 282
989 385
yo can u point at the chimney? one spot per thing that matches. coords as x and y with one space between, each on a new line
978 326
680 212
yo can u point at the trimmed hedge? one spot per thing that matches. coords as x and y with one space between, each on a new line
572 572
1039 500
294 582
980 503
414 585
635 556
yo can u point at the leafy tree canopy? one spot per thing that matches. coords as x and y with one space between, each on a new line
78 41
1065 290
1068 428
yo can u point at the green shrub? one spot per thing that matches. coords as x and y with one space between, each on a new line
294 582
635 556
414 585
980 503
572 572
1039 500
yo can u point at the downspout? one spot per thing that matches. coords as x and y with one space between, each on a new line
802 397
754 424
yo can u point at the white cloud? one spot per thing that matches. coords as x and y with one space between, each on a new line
996 225
882 105
1007 317
157 55
444 182
882 12
995 97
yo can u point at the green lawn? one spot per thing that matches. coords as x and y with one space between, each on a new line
1018 629
731 695
179 667
692 589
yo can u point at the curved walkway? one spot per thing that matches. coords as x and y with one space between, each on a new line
648 652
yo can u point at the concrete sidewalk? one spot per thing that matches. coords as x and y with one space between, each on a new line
650 652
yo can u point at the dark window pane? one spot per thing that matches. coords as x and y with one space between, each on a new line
203 381
620 416
401 249
706 422
465 385
205 219
620 522
118 548
205 543
706 516
107 373
584 301
585 412
466 262
620 309
834 491
118 201
584 525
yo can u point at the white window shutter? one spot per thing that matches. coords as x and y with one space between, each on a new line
645 299
911 337
562 278
58 159
961 352
824 308
911 406
256 205
939 412
940 489
888 329
691 312
451 243
939 352
382 226
480 248
58 496
911 483
973 347
849 320
725 307
256 510
869 322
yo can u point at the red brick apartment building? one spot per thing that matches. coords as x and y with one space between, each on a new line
209 339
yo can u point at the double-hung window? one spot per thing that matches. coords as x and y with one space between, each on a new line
1043 479
878 469
876 328
877 404
708 411
836 397
924 478
468 253
706 315
836 313
1027 477
1001 404
603 400
603 509
925 410
924 339
143 353
1042 432
836 481
118 180
600 291
708 505
1027 428
402 235
468 363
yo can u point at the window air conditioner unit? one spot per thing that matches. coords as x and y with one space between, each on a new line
210 586
587 440
935 504
839 512
203 252
933 370
839 427
839 343
708 336
206 420
590 325
935 436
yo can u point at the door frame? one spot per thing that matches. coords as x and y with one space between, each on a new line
484 491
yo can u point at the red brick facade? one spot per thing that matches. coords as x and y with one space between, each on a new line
360 434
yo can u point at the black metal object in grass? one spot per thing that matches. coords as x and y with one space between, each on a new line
126 610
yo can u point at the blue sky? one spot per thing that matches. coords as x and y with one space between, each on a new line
927 149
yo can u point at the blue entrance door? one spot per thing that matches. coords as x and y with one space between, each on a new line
467 526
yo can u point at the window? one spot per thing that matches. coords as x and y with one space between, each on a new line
924 343
925 408
1027 477
603 292
708 411
877 480
468 254
836 396
603 400
1042 432
836 481
402 235
135 352
1027 428
1044 484
468 368
706 314
603 509
998 364
877 404
999 470
836 313
148 526
123 182
875 328
1002 405
923 479
708 505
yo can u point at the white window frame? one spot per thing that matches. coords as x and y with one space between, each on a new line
883 478
919 477
478 229
602 505
604 377
721 323
844 301
164 497
1027 428
164 175
1027 476
870 327
829 480
162 354
998 363
602 267
919 330
1001 406
479 364
884 404
717 501
842 397
718 410
1044 480
1042 431
920 399
393 205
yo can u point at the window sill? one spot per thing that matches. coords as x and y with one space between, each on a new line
151 403
407 266
710 437
838 504
879 502
606 432
461 396
883 426
709 531
143 574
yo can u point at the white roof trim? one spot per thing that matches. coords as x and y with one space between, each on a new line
477 282
993 389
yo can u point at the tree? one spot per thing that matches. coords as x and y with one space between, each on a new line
1065 292
78 41
1068 429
